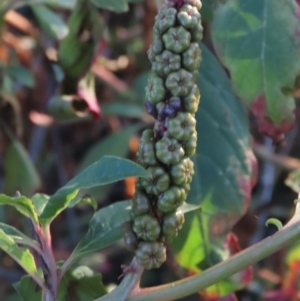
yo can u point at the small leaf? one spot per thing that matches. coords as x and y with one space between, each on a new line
51 23
12 232
20 173
117 6
293 180
22 204
275 222
39 201
84 284
84 200
21 255
107 170
20 74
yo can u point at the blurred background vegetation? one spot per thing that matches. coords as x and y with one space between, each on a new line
72 80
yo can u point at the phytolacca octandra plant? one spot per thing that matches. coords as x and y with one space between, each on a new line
172 99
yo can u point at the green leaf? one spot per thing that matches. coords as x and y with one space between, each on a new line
107 170
84 284
39 201
21 255
117 6
105 228
84 200
28 289
244 38
13 232
22 204
293 180
20 173
50 22
20 74
111 145
223 169
207 9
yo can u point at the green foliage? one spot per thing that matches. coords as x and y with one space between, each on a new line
22 204
243 34
117 6
20 172
107 170
52 24
20 74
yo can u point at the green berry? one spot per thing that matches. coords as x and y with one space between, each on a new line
191 101
177 39
180 83
190 145
151 255
182 172
140 203
147 135
171 224
165 19
151 54
169 151
146 227
146 154
155 90
197 33
191 58
166 63
188 16
196 3
171 199
157 45
158 182
182 127
130 238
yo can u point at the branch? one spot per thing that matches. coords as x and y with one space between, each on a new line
178 289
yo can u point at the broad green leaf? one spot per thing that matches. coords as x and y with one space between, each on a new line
263 67
123 109
13 232
20 74
21 255
39 201
50 22
224 165
20 173
117 6
22 204
111 146
105 228
107 170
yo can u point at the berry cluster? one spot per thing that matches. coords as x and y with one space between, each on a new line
172 99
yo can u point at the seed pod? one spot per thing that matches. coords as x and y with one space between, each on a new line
190 145
146 227
158 45
177 39
188 16
130 238
182 127
172 223
169 151
166 63
180 83
150 255
196 3
158 182
140 203
165 19
191 58
155 90
191 101
182 173
171 199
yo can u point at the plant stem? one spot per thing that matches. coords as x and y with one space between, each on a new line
178 289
